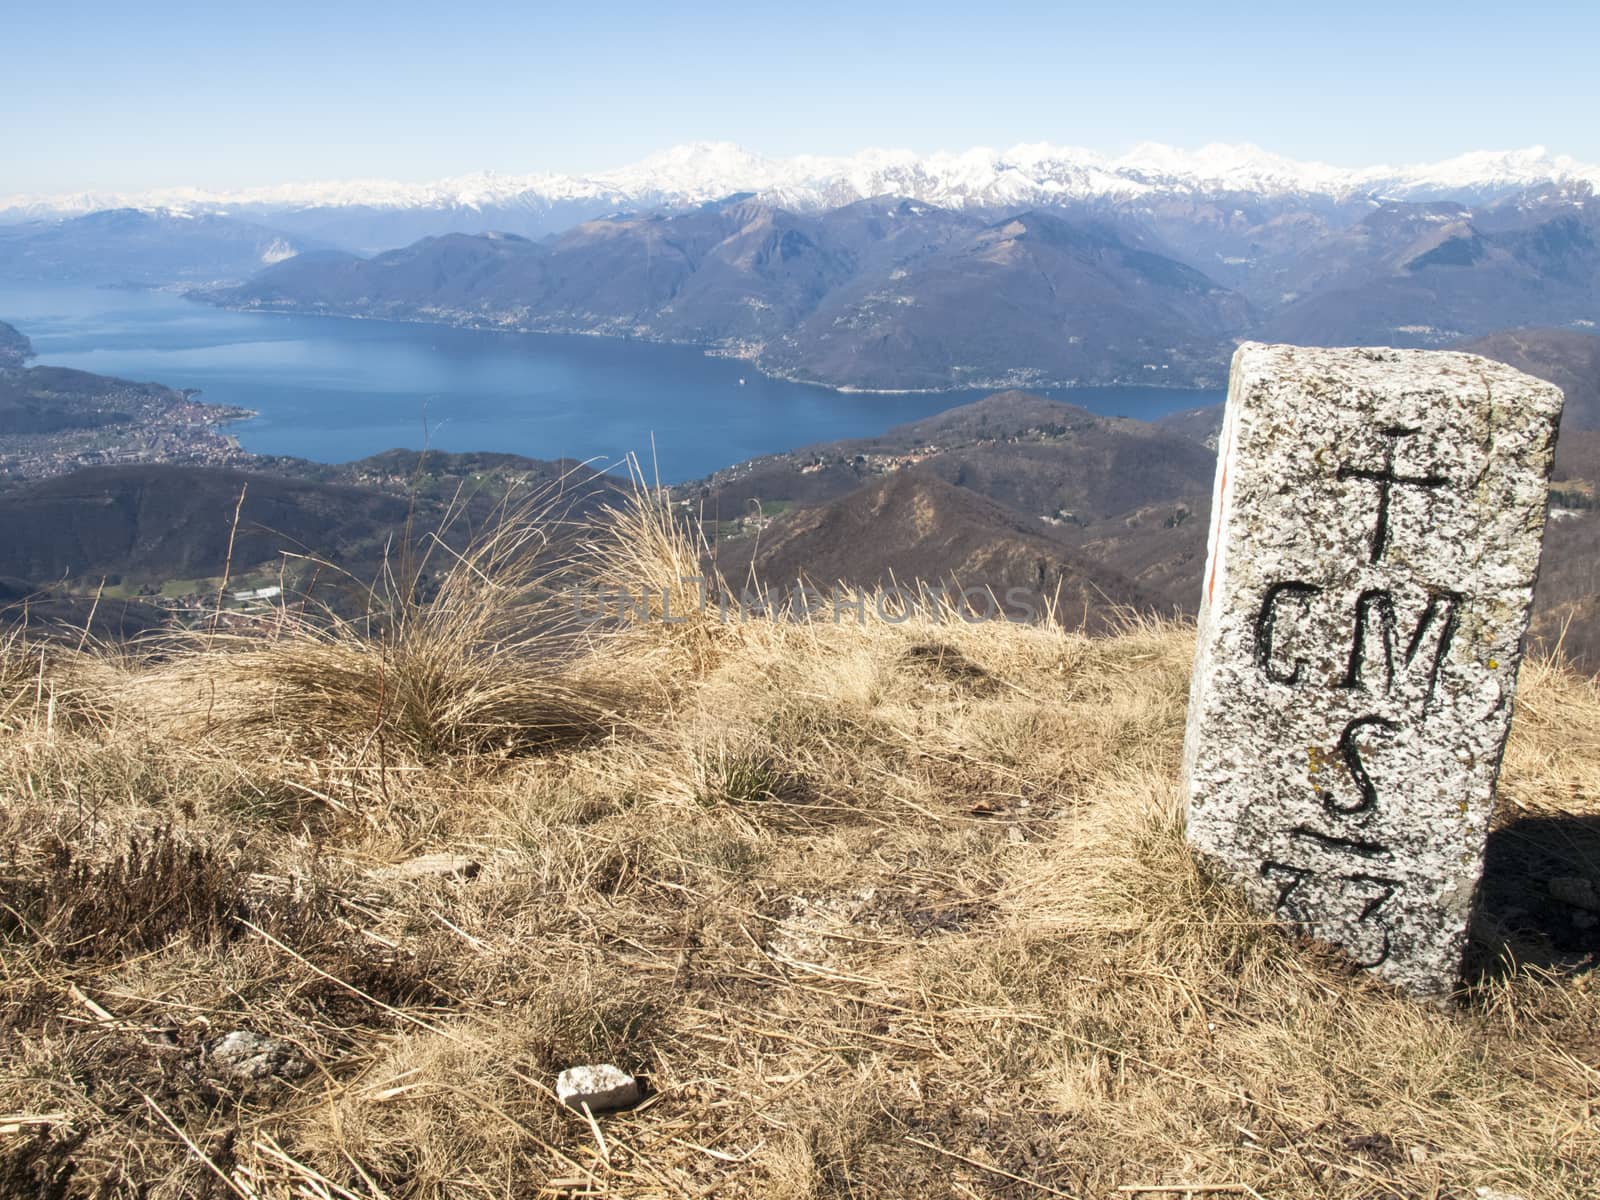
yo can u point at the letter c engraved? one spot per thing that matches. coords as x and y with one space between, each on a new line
1267 624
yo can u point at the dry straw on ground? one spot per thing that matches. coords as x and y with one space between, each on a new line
872 910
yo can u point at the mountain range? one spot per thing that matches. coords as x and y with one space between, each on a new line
878 294
1023 176
1037 266
1033 267
132 246
902 294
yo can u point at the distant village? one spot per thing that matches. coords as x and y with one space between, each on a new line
134 423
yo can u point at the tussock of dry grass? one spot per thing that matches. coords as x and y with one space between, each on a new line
873 910
455 654
51 686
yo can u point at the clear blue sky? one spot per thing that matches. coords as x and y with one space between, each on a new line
122 95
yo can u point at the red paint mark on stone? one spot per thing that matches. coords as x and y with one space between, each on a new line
1216 536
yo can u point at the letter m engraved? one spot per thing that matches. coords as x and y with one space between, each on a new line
1376 646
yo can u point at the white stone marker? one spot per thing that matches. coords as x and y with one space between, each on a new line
1376 528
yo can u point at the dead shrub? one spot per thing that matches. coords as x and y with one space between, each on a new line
156 889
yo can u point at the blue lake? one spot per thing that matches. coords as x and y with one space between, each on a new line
332 390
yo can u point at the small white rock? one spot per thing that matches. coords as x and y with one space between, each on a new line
602 1087
255 1056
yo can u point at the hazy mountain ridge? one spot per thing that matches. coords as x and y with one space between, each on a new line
15 346
1034 299
879 294
900 294
1025 175
143 247
1429 275
1566 358
1037 267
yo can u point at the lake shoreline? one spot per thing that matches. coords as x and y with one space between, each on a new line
345 389
1005 383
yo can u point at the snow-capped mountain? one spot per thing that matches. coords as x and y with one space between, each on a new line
980 178
869 271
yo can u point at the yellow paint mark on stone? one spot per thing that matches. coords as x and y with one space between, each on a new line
1316 759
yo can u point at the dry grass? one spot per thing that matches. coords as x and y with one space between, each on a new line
455 653
873 911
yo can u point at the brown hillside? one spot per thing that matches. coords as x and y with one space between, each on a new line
1134 498
1034 455
1565 357
913 526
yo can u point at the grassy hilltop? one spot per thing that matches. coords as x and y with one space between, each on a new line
873 910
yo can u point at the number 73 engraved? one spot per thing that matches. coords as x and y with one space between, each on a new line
1346 909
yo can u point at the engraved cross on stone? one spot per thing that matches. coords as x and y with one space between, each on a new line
1386 478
